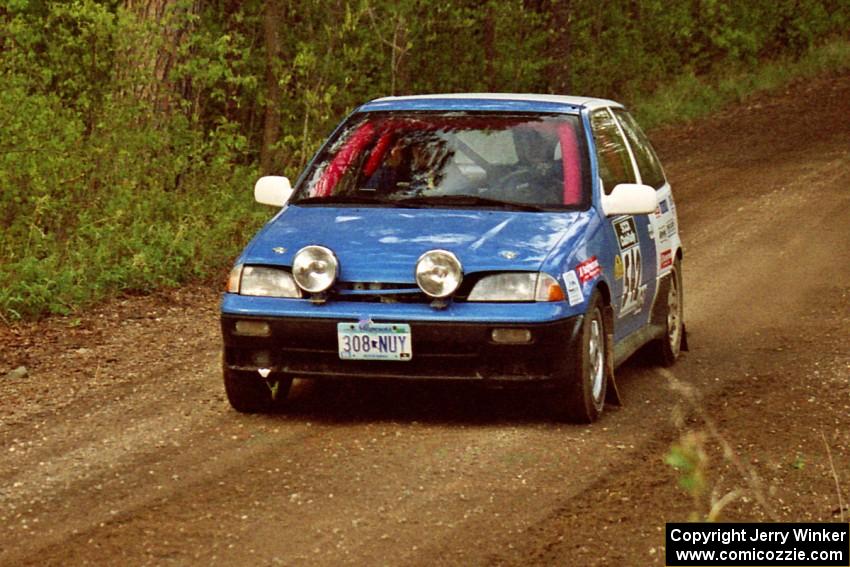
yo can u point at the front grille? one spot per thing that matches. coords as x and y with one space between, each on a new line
381 292
376 287
377 292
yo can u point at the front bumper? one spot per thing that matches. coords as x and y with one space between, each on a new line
304 347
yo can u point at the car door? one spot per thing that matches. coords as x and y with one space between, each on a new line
630 236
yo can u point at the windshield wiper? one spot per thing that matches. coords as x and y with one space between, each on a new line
465 201
343 200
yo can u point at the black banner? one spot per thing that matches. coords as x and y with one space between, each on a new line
626 232
759 544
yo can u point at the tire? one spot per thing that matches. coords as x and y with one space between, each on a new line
665 350
248 392
583 380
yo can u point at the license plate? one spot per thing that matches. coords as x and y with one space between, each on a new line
374 341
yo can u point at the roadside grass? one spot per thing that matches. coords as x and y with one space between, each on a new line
133 238
690 96
118 210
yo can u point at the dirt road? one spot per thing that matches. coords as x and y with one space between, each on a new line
118 446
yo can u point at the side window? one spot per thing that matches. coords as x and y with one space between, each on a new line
615 165
651 172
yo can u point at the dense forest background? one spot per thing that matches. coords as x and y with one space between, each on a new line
131 131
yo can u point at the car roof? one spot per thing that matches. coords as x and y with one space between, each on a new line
498 102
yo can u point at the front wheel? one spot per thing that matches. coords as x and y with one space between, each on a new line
248 392
583 379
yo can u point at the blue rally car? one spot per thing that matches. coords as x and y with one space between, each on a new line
490 238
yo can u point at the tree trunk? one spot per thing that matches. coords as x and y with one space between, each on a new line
558 71
490 47
148 64
270 158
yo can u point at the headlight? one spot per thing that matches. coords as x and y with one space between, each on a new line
525 286
315 269
438 273
267 282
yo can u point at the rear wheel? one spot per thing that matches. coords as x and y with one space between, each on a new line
583 379
248 392
666 349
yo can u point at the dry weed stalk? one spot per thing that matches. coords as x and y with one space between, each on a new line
834 476
754 483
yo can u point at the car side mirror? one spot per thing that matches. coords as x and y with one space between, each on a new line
273 190
629 199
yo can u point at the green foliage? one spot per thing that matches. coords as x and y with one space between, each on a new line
690 96
98 195
689 459
129 143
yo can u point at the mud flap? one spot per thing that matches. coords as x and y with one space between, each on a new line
612 394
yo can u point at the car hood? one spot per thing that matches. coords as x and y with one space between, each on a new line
383 244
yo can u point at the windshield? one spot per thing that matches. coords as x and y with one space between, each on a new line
532 161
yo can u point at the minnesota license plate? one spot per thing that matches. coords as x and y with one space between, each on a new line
374 341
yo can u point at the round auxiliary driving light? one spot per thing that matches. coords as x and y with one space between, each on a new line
314 269
438 273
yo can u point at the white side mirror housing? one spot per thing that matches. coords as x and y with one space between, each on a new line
629 199
273 190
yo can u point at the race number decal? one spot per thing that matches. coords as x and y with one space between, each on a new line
629 243
631 280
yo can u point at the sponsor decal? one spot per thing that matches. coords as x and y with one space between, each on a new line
662 233
588 270
627 235
574 294
663 206
671 228
618 267
666 259
657 212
